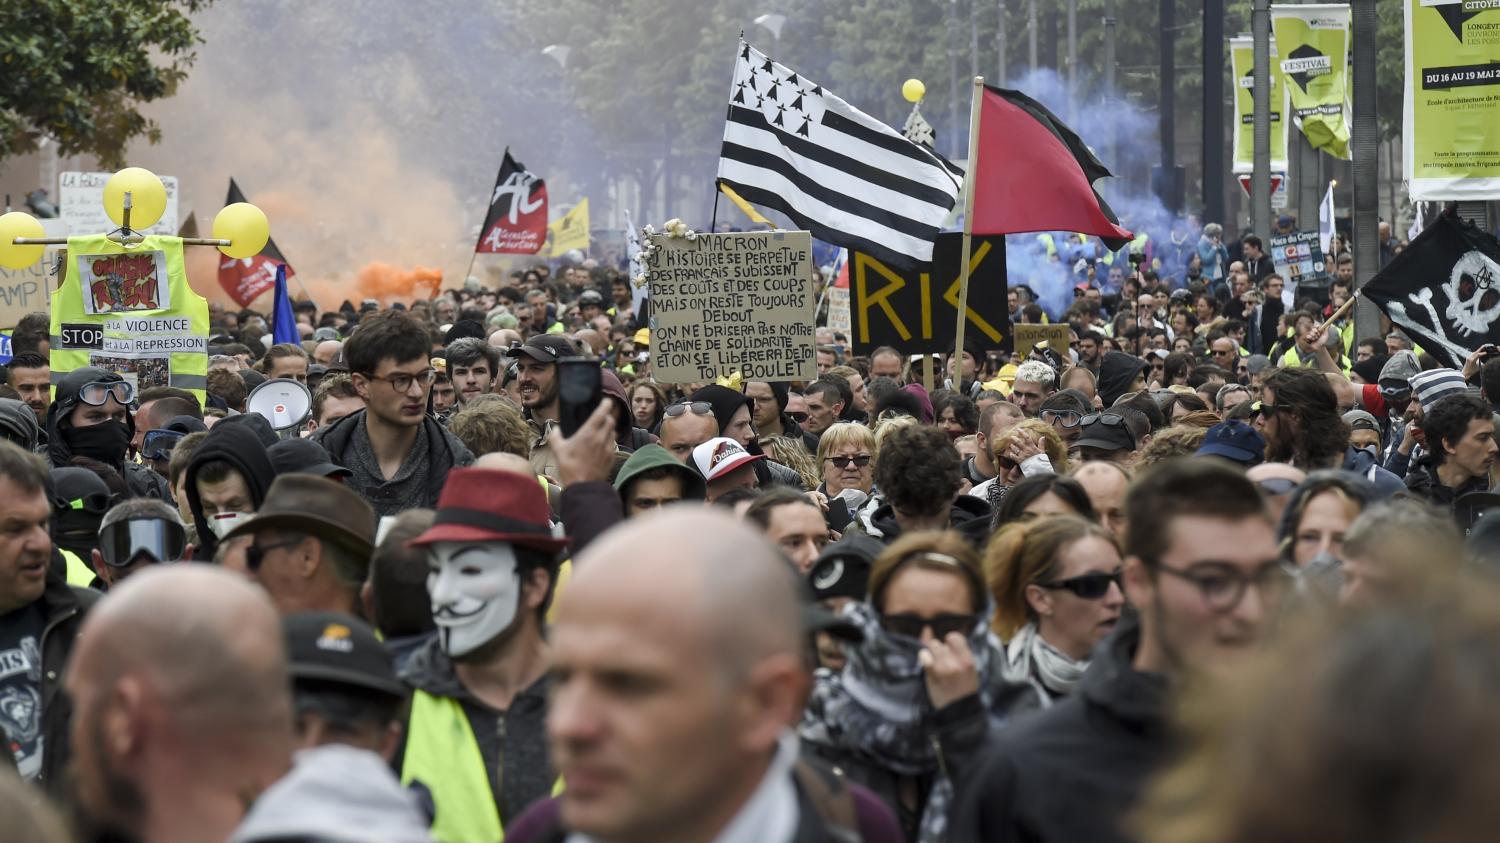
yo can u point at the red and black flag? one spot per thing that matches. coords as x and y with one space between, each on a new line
1443 290
246 279
517 219
1033 173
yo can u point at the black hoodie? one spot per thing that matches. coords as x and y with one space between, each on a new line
238 445
1117 371
140 480
1075 770
969 515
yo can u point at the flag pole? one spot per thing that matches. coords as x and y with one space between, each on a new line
963 264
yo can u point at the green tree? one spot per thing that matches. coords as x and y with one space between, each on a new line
78 71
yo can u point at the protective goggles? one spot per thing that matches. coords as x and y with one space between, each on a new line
159 443
120 542
96 394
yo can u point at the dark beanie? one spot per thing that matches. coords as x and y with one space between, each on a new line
781 392
725 402
463 328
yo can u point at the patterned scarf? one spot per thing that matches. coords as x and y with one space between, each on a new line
878 707
1029 658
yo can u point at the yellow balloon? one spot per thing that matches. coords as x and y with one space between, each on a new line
19 224
245 226
148 197
913 90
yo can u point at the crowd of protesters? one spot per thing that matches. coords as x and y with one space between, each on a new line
1213 571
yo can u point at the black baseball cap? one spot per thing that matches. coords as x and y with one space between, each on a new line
1107 432
304 456
341 649
546 348
843 568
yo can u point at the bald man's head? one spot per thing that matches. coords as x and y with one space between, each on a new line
179 680
677 659
502 461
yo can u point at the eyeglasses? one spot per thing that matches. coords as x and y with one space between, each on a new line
97 393
159 443
843 462
799 418
1276 485
255 554
1223 586
911 625
1269 409
1069 418
402 381
697 408
1087 586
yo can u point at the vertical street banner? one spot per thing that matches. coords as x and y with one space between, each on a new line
1242 68
1451 107
727 303
1312 48
516 222
916 311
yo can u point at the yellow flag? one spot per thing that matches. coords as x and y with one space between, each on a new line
745 207
571 231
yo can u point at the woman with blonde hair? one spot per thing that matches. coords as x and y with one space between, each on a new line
846 459
1057 591
1030 448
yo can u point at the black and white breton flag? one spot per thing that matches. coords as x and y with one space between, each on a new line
1443 290
834 170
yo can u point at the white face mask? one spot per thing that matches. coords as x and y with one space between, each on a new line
475 592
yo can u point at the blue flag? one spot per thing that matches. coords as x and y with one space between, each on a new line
283 321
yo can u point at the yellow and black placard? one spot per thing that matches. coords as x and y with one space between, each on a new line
917 311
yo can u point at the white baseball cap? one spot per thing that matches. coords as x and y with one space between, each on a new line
719 456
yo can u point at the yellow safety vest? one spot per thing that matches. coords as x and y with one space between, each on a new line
114 311
443 754
79 573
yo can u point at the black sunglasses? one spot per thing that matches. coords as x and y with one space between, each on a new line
843 462
799 418
911 625
1088 586
255 553
698 408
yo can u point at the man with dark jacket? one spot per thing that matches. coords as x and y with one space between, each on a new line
39 619
90 417
398 455
678 676
1460 435
768 406
919 477
1201 567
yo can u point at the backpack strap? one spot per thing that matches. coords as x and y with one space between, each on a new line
829 794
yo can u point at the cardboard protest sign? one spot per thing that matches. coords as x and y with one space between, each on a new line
917 311
1298 258
724 303
1028 337
80 204
29 290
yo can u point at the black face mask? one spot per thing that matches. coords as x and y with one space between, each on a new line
105 441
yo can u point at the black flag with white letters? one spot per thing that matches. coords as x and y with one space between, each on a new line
1443 290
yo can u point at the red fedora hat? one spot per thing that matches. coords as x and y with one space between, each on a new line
488 505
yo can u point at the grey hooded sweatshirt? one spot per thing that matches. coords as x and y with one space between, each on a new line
336 794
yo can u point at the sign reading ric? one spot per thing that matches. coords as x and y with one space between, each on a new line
917 312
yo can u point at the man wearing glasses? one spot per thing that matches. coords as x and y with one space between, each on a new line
398 456
1201 568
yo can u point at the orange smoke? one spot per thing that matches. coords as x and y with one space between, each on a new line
390 284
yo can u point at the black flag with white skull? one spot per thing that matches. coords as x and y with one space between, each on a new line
1443 290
